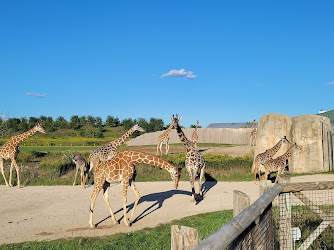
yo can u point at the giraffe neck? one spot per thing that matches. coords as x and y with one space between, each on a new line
21 137
188 145
168 129
275 148
288 153
118 142
151 160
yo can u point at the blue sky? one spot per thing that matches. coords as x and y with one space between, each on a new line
213 61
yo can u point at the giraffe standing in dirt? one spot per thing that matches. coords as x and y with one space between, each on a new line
10 150
194 137
164 137
109 150
267 155
195 162
253 134
278 164
81 165
121 169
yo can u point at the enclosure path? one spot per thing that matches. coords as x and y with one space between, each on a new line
50 212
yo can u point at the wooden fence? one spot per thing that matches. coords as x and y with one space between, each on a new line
254 227
205 135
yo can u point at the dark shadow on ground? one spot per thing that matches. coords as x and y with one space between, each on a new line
157 198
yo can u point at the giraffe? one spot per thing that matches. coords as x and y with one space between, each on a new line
121 169
11 148
195 162
164 137
194 137
109 150
253 135
267 155
81 164
278 164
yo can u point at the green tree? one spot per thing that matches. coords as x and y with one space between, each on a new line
112 121
32 122
98 122
128 123
13 124
89 133
156 125
75 122
24 126
83 120
61 122
91 120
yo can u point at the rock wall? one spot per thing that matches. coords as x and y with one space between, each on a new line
311 132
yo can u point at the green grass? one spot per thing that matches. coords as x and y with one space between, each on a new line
148 238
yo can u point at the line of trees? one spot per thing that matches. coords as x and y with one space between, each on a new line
13 125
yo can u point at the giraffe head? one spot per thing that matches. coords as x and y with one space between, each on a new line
138 128
285 140
175 120
297 149
39 127
197 122
176 174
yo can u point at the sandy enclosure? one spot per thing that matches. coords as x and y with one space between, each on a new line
36 213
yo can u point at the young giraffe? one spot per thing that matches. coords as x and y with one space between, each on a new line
194 137
81 164
164 137
121 169
253 135
109 150
195 162
278 164
9 151
267 155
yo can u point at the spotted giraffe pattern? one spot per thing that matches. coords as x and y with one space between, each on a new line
10 150
164 137
121 169
267 155
82 165
253 135
194 137
278 164
109 150
195 162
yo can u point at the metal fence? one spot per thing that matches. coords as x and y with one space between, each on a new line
287 216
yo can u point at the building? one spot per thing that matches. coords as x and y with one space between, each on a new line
330 115
230 125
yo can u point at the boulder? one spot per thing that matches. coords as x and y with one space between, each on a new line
311 132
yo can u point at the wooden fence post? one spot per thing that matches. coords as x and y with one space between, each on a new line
183 237
241 201
285 231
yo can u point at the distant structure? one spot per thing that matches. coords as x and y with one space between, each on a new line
230 125
330 115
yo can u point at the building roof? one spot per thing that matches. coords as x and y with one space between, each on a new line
229 125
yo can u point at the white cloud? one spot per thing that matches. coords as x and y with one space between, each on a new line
330 83
39 95
180 73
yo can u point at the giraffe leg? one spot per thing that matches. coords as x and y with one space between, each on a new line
82 178
158 144
125 184
278 174
133 186
17 172
98 184
200 180
75 178
106 199
160 148
86 176
10 173
3 174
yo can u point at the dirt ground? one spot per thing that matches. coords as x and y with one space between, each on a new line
35 213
